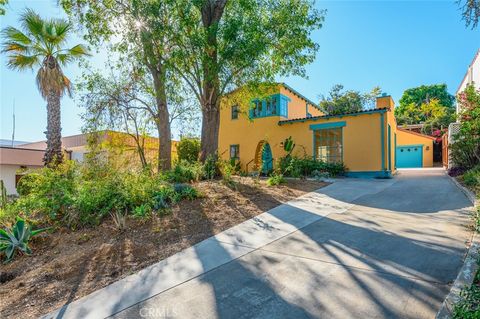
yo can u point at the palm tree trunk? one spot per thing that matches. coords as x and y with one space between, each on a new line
53 153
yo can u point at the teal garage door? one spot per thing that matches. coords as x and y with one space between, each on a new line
409 156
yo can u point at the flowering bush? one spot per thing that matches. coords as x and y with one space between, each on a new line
466 149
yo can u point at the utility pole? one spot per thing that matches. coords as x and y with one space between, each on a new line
13 131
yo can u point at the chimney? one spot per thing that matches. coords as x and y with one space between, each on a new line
385 100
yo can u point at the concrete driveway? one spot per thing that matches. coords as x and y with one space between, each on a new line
355 249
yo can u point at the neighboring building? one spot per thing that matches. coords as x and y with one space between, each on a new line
367 142
16 160
4 142
472 76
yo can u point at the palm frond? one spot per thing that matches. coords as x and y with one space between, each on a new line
13 46
58 31
69 55
12 34
68 85
32 23
22 61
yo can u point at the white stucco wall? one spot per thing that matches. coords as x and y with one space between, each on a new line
472 76
7 174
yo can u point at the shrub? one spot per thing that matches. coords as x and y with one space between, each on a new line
465 150
50 191
211 167
275 179
185 172
29 182
96 199
142 211
305 167
472 177
77 195
17 239
188 149
186 191
228 168
456 171
469 305
169 195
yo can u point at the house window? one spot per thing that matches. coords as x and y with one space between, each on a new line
271 106
234 112
235 151
329 145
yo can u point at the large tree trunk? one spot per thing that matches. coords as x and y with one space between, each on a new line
212 12
162 119
53 153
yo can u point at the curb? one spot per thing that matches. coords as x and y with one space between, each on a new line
470 267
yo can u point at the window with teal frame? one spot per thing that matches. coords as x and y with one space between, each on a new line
274 105
328 145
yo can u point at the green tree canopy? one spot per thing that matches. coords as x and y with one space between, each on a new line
429 104
340 101
424 93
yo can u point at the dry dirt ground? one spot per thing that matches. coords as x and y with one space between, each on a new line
67 265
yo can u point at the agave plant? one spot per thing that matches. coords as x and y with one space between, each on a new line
17 239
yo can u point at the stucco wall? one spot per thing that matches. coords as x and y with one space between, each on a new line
361 138
297 108
409 138
7 174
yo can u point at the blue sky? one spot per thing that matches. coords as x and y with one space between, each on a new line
391 44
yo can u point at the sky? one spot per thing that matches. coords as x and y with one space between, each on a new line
392 44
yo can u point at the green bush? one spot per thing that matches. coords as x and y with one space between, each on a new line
188 149
275 179
169 195
142 211
469 305
306 167
50 191
472 177
29 182
96 199
185 172
83 194
465 150
211 167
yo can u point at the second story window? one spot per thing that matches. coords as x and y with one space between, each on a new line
234 112
271 106
274 105
257 109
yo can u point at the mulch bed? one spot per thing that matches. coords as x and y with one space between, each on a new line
67 265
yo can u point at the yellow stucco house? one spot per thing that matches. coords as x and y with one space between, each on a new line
369 143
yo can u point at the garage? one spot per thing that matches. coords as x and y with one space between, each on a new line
409 156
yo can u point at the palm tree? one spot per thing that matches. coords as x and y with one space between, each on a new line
41 44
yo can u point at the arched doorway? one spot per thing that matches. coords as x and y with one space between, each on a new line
264 157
